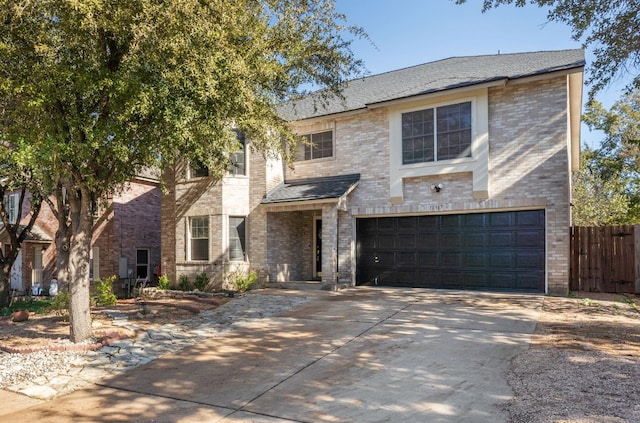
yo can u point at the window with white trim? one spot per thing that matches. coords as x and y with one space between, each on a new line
318 146
11 207
199 238
438 133
237 241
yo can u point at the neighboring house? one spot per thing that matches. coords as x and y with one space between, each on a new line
451 174
126 239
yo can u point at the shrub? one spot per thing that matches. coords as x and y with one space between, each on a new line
60 303
163 282
201 281
104 290
242 281
184 283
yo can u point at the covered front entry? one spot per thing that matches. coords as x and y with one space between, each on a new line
304 229
484 251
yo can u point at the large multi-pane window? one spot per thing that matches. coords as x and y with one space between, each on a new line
439 133
318 146
237 245
199 240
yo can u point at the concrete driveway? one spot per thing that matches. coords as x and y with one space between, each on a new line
358 355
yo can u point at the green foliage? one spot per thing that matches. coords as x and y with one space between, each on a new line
163 282
184 283
60 303
201 281
611 27
104 290
39 307
607 187
242 281
94 91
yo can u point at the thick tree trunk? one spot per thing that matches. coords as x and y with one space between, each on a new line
73 241
5 285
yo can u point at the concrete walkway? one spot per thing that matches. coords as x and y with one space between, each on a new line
361 355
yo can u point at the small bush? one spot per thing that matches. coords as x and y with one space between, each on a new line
201 281
242 281
60 303
39 307
184 283
104 290
163 282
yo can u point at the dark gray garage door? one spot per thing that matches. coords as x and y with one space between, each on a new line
485 251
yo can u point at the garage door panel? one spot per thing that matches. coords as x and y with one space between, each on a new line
427 259
502 260
529 260
496 251
451 260
426 241
427 223
406 259
475 240
386 241
528 218
475 260
406 241
450 240
500 220
475 280
528 281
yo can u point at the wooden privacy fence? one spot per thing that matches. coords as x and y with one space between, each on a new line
605 258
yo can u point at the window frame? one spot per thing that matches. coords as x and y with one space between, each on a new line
477 164
232 170
301 148
11 202
435 135
190 232
241 239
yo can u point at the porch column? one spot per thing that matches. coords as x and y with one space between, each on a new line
329 244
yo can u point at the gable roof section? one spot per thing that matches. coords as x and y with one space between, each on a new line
37 234
442 75
322 188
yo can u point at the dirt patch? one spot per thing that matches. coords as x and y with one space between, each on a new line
583 364
48 329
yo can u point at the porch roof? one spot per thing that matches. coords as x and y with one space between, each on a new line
37 234
309 189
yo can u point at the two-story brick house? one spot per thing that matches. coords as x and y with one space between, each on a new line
126 238
450 174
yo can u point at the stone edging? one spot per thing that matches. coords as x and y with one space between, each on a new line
106 339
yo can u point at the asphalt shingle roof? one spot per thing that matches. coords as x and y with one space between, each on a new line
432 77
321 188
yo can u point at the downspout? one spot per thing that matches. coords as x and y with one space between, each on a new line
337 247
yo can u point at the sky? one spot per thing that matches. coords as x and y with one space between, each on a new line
411 32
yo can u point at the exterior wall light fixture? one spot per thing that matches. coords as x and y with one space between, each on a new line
437 188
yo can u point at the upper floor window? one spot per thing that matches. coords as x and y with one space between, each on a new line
318 145
439 133
199 238
11 207
238 159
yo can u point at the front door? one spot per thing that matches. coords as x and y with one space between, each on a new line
317 248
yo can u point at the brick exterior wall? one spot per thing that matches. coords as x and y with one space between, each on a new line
527 169
128 221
